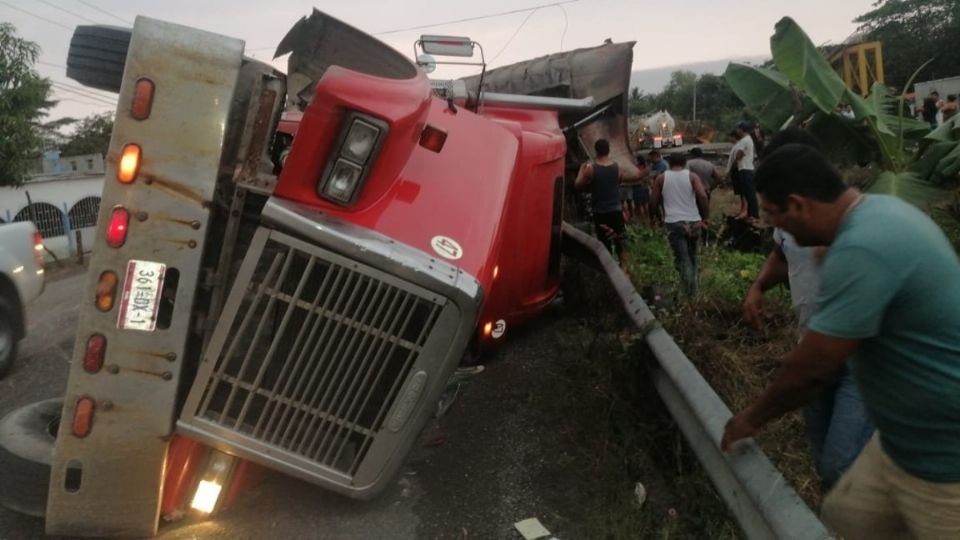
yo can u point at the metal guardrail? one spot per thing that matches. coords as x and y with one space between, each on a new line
752 488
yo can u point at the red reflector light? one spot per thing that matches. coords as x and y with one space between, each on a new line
83 417
142 99
117 230
96 349
129 164
433 138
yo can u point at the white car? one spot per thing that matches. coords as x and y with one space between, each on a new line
21 280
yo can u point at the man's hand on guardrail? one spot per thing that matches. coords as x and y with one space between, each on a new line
738 427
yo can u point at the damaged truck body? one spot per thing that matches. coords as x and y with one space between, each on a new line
296 294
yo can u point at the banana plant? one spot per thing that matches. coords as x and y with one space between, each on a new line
803 89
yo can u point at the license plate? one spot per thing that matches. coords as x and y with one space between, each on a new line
141 296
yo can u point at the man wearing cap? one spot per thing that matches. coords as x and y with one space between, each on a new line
740 169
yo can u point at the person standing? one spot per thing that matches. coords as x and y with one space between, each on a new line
657 163
603 177
680 195
836 421
704 170
740 170
889 291
950 108
931 106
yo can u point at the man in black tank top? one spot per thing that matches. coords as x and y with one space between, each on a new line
603 177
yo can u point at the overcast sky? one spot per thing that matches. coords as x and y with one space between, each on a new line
668 32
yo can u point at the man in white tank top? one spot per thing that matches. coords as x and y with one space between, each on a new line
679 195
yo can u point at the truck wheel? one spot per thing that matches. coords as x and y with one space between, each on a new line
97 56
8 335
26 452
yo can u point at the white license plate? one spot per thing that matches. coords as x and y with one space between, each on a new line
141 295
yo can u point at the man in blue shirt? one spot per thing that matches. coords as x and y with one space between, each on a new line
890 292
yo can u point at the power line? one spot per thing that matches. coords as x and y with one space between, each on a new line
515 32
107 13
51 65
36 16
82 94
68 12
477 18
468 19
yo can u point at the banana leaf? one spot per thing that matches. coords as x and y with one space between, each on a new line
764 91
909 186
803 64
935 159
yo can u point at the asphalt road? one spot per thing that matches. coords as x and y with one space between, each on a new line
503 453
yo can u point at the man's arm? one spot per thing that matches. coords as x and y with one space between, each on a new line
804 371
703 204
584 176
773 272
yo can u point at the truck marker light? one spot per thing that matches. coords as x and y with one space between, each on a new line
433 138
205 499
129 164
488 328
106 290
496 271
96 350
216 474
142 99
117 230
83 417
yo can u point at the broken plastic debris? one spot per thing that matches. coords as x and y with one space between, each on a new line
531 529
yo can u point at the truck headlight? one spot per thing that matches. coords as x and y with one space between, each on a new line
357 149
342 183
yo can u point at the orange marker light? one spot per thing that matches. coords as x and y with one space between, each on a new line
117 230
83 417
433 138
106 290
129 164
496 271
488 329
142 100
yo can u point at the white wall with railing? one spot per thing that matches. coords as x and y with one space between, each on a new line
59 205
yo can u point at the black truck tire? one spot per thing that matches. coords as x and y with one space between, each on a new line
97 56
27 436
9 334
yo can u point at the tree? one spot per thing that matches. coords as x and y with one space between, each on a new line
91 136
912 32
23 100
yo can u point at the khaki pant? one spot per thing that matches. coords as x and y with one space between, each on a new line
878 500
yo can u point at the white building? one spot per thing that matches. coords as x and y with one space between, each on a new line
65 197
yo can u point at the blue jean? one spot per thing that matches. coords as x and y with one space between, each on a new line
838 428
683 236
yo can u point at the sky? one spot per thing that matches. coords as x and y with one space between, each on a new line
668 33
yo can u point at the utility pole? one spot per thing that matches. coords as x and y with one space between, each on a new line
694 98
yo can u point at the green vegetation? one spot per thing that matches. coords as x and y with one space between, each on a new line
913 31
23 100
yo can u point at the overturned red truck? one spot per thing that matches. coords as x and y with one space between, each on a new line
307 321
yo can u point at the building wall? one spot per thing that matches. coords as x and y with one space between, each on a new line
62 204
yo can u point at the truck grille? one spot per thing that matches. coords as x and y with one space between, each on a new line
317 352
